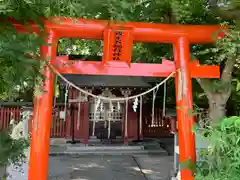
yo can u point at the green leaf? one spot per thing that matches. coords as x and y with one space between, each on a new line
238 85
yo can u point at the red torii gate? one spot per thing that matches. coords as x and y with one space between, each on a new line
118 40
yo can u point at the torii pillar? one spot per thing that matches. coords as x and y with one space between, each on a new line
118 39
184 106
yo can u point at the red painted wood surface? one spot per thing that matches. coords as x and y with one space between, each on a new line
79 132
85 124
116 68
185 106
42 123
142 32
117 45
58 129
132 123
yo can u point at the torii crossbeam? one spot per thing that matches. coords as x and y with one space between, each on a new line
118 40
66 66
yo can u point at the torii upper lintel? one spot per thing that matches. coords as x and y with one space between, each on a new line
142 32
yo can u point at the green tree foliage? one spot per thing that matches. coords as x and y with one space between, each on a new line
18 71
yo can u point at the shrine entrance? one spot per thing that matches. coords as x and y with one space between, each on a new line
107 121
118 39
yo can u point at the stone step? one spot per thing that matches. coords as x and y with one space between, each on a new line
104 148
160 152
152 145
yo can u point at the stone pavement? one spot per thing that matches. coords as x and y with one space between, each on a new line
94 168
156 167
104 167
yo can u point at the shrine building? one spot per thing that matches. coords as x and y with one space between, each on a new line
106 124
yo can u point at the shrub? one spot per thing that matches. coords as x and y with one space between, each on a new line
221 161
11 150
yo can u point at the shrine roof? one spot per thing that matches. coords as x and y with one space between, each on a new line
109 81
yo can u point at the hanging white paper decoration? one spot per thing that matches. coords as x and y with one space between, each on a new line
111 106
101 107
65 102
118 106
135 104
97 104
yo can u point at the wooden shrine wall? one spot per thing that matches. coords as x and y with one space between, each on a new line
61 128
7 113
159 128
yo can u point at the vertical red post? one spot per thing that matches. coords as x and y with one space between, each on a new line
38 165
126 125
184 107
140 119
85 123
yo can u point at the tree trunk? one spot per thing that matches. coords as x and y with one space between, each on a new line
2 172
217 109
217 101
218 98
